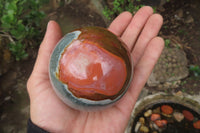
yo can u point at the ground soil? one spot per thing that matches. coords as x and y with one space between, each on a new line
187 34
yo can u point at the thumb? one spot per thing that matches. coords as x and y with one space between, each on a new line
52 36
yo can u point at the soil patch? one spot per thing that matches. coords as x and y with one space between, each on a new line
181 25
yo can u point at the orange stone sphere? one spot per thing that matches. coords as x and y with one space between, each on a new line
91 64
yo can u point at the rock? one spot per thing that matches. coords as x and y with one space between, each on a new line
161 123
170 68
154 132
142 120
188 115
7 98
148 113
179 93
155 117
166 109
178 116
153 126
137 126
189 19
196 124
179 14
144 129
3 116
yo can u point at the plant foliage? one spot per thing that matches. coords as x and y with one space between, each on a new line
20 21
121 5
195 70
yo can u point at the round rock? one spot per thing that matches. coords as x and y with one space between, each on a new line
90 68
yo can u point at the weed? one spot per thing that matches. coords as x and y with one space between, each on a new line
182 32
178 46
121 5
167 42
183 82
19 21
183 89
195 70
165 26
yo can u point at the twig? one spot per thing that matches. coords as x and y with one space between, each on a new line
8 36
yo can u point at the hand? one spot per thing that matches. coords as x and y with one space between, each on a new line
139 32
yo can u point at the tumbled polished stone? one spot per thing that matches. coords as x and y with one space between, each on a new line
90 68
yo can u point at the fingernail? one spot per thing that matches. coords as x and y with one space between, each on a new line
48 23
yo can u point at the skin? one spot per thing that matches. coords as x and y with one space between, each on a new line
139 32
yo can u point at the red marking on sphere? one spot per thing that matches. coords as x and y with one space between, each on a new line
90 71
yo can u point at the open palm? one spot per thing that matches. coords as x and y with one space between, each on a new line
139 32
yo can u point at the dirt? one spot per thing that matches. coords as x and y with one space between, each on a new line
14 105
76 15
188 32
181 25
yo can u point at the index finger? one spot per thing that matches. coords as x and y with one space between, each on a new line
120 23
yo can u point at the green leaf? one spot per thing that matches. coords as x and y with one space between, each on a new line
22 20
167 42
18 50
11 5
195 70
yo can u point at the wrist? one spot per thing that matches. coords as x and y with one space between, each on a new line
32 128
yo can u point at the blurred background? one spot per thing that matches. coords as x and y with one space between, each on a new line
23 24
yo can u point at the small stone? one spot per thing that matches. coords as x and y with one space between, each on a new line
137 126
144 129
161 123
188 115
171 60
189 19
153 126
178 116
166 109
179 93
148 113
155 117
196 124
167 85
179 14
7 98
3 116
142 120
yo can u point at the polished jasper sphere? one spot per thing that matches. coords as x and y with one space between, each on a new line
90 68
